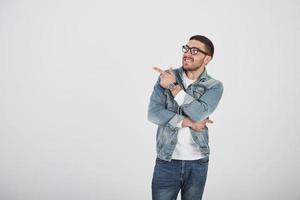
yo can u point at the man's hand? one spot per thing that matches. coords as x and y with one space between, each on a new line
166 77
197 126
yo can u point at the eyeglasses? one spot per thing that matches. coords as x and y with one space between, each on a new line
193 50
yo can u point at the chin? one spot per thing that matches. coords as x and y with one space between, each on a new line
187 67
190 68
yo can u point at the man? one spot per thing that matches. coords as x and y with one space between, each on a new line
180 105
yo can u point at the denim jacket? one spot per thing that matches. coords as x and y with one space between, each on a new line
202 98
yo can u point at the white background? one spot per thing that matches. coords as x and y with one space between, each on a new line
75 82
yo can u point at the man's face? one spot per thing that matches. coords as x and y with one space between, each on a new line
194 62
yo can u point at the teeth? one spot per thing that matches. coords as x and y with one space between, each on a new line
188 59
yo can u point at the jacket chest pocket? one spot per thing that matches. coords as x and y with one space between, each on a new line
198 92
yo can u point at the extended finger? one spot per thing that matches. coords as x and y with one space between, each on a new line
171 71
158 70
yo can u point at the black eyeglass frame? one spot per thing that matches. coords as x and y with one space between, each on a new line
186 48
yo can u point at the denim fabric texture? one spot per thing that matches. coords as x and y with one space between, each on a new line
202 98
169 178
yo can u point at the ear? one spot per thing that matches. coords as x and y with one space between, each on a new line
207 59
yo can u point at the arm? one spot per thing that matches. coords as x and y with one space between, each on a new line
157 113
199 126
199 109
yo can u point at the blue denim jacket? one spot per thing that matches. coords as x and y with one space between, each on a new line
202 98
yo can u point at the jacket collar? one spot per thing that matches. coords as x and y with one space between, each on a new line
203 76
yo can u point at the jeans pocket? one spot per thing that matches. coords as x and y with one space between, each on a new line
203 161
160 161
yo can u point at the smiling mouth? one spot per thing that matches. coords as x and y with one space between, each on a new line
187 60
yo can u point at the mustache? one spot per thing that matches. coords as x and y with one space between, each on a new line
188 57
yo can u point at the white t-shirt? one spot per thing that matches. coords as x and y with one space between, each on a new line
186 148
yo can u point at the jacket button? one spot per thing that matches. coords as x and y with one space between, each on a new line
172 142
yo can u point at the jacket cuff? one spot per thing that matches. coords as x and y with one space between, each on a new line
176 119
187 99
179 98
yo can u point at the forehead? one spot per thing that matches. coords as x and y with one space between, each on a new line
196 43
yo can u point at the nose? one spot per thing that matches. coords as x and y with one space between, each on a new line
188 53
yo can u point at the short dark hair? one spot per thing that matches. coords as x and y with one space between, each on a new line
209 46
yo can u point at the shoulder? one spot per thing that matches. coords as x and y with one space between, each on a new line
178 69
213 83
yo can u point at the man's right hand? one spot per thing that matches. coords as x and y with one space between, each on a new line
197 126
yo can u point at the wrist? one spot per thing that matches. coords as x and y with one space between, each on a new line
171 86
176 90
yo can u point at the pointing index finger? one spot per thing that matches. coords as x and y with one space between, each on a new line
158 70
171 70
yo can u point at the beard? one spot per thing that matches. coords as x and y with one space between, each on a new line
191 66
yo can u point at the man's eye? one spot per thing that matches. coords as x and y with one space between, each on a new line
195 51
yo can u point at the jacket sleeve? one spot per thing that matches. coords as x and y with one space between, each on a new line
199 109
157 112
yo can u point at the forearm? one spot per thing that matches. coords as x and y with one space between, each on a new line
195 110
199 109
157 112
163 117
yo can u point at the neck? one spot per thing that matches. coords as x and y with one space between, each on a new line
194 75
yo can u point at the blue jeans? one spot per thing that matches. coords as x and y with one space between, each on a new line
189 176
